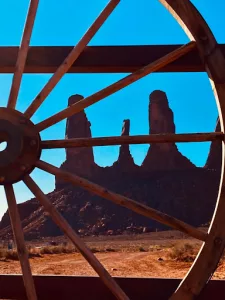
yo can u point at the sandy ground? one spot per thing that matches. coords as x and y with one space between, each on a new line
143 256
142 264
118 264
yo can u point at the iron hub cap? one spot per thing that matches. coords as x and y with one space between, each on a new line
22 146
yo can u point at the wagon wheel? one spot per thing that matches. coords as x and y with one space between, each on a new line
24 147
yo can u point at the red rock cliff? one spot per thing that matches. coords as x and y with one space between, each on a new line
166 181
214 160
79 160
163 156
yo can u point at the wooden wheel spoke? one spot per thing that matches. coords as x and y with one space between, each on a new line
123 201
22 55
82 104
21 247
65 227
71 58
138 139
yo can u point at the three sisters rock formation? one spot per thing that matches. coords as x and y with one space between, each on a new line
166 180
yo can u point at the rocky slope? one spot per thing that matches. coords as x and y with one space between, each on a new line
166 181
214 160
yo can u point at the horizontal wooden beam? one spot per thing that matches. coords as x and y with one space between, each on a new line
100 59
136 139
113 88
70 287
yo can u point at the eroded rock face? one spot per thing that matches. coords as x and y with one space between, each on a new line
214 160
78 160
124 154
125 160
161 119
163 156
166 181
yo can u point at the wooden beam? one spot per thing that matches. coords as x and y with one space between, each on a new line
115 87
71 58
66 287
136 139
100 59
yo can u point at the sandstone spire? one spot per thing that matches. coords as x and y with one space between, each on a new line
161 120
125 158
78 160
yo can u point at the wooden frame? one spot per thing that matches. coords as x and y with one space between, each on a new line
178 59
137 139
207 260
100 59
67 287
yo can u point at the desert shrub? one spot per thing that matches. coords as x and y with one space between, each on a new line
185 252
3 254
8 254
46 250
68 248
110 250
12 255
94 250
57 249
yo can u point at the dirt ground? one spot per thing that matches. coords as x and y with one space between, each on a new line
139 256
118 264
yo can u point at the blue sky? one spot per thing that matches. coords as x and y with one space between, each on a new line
132 23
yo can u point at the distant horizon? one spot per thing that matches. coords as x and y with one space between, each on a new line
146 22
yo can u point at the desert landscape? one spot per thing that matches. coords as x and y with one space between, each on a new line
127 244
167 254
143 219
166 180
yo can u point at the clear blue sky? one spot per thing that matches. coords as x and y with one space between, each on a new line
132 23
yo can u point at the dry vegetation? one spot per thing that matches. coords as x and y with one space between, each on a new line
160 255
69 249
185 252
179 251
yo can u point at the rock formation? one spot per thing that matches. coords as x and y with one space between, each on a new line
215 153
125 160
124 154
166 181
78 160
166 155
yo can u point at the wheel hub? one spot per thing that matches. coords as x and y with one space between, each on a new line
22 149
